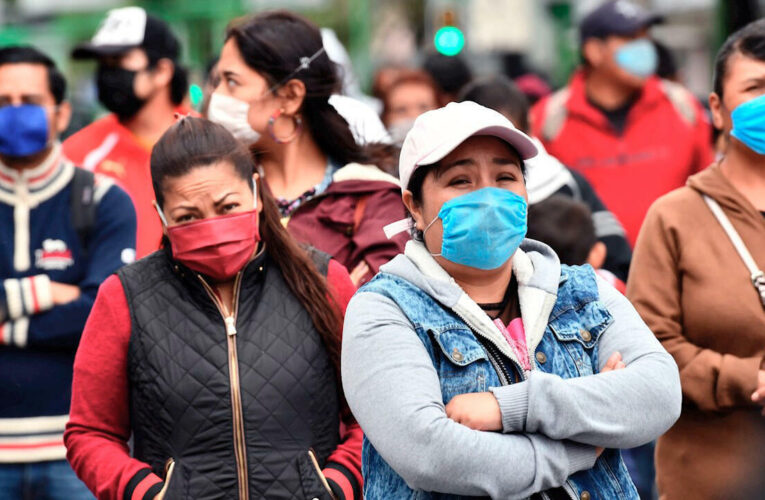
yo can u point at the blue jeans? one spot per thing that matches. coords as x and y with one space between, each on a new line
54 480
640 463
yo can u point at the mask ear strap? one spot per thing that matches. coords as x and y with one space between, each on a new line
305 63
159 212
255 194
423 234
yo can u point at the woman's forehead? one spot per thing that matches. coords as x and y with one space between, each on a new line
478 145
209 175
743 67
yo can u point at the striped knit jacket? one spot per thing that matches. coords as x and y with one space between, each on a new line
38 338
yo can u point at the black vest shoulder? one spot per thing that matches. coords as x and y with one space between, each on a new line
180 390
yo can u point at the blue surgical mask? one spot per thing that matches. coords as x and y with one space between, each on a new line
23 130
749 124
482 229
638 58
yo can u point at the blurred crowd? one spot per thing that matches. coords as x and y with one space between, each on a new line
176 284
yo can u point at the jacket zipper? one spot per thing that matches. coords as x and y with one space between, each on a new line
233 372
315 462
494 359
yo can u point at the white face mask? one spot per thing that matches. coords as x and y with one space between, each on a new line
399 130
232 114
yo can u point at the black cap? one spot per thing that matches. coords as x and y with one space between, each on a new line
128 28
616 17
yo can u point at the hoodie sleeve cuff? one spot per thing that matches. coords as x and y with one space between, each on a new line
342 481
580 456
513 402
144 485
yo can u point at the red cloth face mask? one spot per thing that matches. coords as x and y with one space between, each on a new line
218 247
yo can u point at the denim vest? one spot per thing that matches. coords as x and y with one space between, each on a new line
569 348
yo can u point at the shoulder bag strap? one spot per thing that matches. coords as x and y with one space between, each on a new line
757 276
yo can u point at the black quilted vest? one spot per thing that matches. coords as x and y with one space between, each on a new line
180 401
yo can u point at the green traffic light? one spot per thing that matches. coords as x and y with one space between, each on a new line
195 94
449 40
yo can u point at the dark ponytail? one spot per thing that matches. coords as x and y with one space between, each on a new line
273 44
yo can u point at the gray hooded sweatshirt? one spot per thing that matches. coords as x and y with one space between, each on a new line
551 425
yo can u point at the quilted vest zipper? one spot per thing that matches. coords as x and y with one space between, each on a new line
236 394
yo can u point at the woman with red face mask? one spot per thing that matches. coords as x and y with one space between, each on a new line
218 353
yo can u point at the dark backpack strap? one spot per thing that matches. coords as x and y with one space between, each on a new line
82 205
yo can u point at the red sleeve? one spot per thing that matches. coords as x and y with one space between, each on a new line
343 467
340 285
537 117
99 422
702 136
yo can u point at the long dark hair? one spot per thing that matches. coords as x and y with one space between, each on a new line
273 43
195 142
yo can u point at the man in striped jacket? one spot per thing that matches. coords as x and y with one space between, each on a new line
62 232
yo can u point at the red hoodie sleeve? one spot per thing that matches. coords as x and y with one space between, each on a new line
99 420
343 467
702 138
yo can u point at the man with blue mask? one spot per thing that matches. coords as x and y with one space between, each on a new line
633 135
62 231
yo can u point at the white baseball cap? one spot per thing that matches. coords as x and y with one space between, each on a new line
126 28
437 133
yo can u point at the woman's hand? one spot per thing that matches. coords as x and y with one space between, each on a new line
358 273
479 411
614 363
758 396
63 293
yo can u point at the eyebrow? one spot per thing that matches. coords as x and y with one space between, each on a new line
223 198
462 162
758 79
24 96
228 73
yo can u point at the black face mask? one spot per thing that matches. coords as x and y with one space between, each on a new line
116 92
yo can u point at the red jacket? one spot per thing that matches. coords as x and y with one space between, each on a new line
666 139
108 147
99 427
347 220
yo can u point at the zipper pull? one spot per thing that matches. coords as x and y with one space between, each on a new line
230 325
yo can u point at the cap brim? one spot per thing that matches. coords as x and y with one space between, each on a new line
91 51
518 140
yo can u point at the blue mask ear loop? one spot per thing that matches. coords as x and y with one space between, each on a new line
423 237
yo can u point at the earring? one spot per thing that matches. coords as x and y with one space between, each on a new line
297 129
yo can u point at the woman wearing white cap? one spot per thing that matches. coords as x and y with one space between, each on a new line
476 364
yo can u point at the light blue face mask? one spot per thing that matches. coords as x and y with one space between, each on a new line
482 229
638 58
749 124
